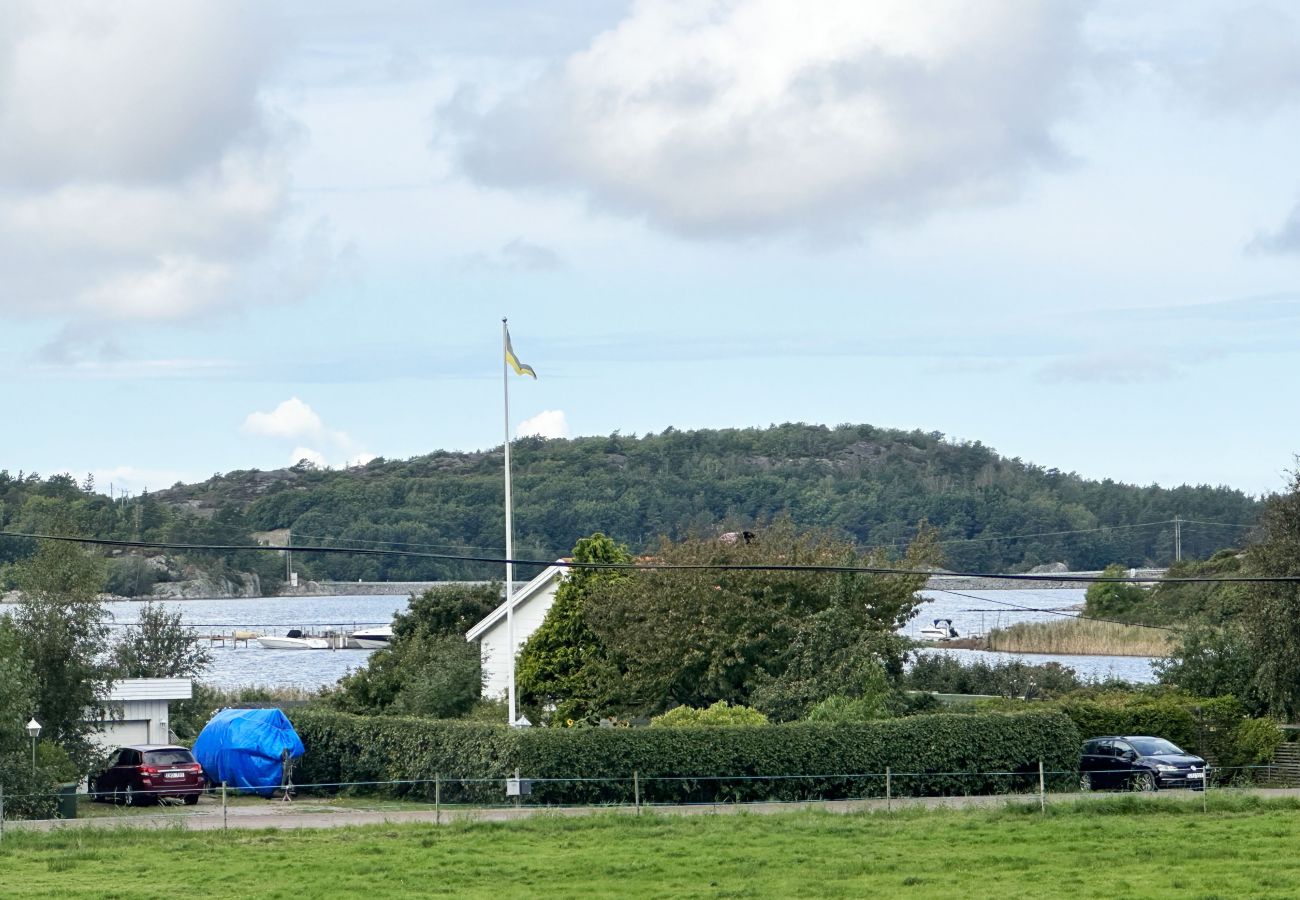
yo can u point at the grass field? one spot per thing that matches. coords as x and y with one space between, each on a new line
1080 636
1124 846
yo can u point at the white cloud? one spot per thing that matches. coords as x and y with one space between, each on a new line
549 423
143 177
293 420
757 116
315 457
1284 239
1252 65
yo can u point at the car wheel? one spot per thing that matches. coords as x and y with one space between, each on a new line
1144 782
1085 782
191 799
129 797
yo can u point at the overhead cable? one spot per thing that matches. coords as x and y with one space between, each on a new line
661 567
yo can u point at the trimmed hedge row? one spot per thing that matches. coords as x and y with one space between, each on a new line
953 754
344 749
1213 727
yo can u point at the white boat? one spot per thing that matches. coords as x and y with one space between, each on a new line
373 638
939 630
294 640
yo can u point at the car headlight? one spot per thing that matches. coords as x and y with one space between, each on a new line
1166 768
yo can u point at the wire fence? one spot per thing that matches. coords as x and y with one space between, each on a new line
444 798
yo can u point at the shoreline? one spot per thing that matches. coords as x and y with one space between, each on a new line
982 646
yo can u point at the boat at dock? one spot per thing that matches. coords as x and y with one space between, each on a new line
294 640
373 638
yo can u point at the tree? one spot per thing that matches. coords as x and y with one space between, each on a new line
1112 599
28 793
430 669
690 635
559 671
1213 661
60 630
159 646
1271 614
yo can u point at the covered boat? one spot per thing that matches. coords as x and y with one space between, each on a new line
249 749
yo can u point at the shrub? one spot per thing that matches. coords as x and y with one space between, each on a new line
1254 742
719 715
931 754
1206 726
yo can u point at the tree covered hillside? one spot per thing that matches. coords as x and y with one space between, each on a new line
872 485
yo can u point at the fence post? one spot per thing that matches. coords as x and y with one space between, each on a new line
636 790
1205 789
889 790
1042 788
224 824
2 812
437 799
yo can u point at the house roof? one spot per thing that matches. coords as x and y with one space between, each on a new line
521 596
151 689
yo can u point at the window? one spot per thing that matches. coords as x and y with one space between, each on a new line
174 757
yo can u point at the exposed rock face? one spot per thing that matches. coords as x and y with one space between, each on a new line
1049 568
248 585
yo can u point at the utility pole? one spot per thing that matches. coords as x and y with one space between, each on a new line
288 557
1178 539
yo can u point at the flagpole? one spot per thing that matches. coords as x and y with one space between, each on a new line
510 540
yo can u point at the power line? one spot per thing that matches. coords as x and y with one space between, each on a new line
1224 524
664 567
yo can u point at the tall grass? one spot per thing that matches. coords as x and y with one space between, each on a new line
1081 636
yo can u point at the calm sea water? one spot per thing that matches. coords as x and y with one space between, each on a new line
978 612
972 612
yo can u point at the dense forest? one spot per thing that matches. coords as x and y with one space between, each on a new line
60 505
869 484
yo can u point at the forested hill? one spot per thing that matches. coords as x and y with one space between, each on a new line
873 484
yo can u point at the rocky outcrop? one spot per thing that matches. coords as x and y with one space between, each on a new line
210 586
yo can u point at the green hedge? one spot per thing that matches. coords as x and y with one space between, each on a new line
348 749
1209 727
953 754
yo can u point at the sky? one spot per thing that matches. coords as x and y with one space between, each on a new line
236 235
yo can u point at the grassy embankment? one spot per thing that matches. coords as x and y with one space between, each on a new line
1081 636
1113 847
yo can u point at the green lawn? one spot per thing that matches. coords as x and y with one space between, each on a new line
1121 847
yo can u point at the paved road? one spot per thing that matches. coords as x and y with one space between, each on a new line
313 814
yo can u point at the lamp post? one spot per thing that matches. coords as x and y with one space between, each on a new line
33 731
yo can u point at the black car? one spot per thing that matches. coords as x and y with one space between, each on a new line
1138 763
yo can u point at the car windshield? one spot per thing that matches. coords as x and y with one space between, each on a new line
168 757
1155 747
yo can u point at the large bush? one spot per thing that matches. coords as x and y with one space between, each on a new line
719 715
933 754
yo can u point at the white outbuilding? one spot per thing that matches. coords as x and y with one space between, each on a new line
139 711
531 603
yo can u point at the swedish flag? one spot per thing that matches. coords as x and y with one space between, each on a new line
520 368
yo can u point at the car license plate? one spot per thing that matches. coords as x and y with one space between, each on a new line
1195 776
174 775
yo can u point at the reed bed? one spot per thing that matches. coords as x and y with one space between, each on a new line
1081 637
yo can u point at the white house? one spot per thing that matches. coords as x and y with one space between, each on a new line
139 711
531 603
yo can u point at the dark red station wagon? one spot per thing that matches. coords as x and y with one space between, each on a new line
144 773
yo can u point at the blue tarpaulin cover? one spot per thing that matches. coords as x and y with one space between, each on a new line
244 747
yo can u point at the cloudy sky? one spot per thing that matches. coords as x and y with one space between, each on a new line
235 235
